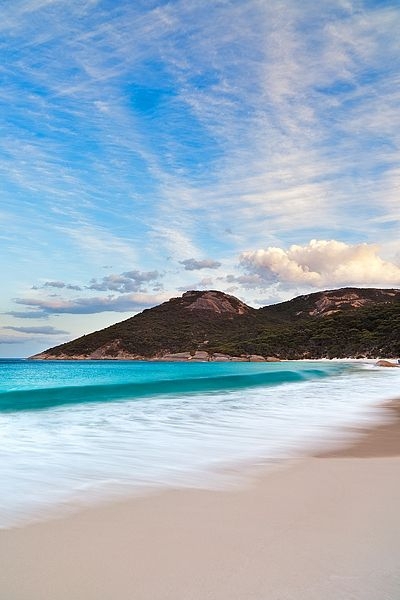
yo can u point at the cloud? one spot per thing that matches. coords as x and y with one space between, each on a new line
76 288
46 330
8 340
191 264
98 241
123 303
30 314
62 284
55 284
253 280
321 263
306 141
129 281
58 285
177 238
278 121
205 283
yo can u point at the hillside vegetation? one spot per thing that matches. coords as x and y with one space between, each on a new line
349 322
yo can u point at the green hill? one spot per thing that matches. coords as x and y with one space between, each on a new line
347 322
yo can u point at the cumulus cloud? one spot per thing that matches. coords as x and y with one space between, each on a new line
122 303
321 263
45 330
191 264
129 281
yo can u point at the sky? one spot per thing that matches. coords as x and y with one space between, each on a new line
150 147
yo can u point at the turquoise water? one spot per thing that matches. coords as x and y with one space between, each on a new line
83 431
27 385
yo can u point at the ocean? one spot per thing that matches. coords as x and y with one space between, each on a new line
76 432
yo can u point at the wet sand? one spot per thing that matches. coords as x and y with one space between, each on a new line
324 527
380 441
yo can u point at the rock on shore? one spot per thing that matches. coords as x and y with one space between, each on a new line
386 363
199 356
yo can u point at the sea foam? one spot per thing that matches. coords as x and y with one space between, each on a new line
85 431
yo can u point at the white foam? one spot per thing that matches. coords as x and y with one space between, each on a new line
89 451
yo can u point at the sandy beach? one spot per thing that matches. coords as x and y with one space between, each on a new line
324 527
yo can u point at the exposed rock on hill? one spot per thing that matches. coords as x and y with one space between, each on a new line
217 302
211 325
329 302
334 301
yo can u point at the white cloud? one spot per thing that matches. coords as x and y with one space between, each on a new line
322 263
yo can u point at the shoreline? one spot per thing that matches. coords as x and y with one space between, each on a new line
202 357
323 526
380 440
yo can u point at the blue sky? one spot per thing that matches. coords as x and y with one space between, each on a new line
151 147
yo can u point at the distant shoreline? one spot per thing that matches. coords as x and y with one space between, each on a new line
220 358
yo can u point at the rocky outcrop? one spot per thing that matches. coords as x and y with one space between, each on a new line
109 353
175 357
386 363
331 302
217 302
202 356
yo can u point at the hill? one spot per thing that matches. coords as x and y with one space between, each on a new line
204 325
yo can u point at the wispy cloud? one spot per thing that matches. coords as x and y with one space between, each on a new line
100 244
121 303
258 116
45 330
30 314
8 340
295 159
58 285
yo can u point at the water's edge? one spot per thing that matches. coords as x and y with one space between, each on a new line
66 445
